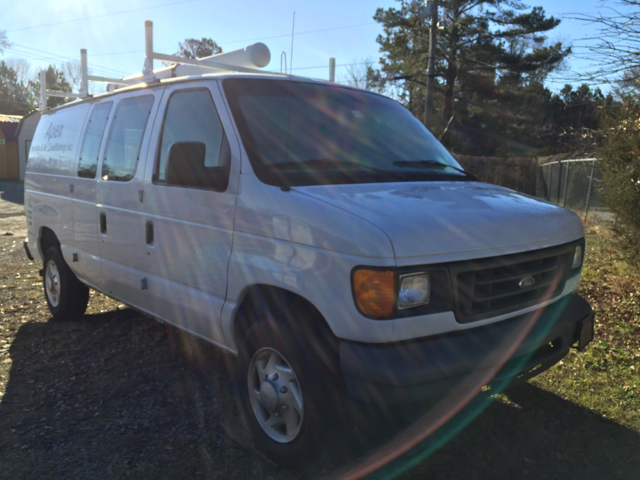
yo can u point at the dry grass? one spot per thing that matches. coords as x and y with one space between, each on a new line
606 377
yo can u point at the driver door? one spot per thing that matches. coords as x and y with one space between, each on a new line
189 228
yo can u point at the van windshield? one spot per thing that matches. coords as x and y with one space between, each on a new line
298 133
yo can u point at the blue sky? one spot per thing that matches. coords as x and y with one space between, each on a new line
47 32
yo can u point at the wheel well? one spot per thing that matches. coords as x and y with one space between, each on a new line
281 305
47 239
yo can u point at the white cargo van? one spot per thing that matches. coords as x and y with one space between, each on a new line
317 232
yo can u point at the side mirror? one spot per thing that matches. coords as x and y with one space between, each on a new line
186 168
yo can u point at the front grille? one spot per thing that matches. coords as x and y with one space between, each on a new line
491 287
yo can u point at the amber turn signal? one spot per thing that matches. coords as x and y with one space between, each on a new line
375 292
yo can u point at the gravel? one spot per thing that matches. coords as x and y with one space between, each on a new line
111 395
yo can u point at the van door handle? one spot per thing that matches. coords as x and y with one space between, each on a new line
103 222
149 232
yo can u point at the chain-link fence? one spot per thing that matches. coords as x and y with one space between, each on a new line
573 184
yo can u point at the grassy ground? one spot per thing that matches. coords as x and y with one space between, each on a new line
606 377
578 420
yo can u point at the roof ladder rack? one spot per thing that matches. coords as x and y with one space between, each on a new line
247 59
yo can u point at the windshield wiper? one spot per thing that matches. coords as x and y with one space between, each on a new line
431 164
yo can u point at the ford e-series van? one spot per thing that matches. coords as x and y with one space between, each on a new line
318 233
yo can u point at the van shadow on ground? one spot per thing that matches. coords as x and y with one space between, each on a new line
539 435
115 395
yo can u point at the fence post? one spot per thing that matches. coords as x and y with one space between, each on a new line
549 183
566 183
559 183
586 208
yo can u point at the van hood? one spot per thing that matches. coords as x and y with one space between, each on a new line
446 221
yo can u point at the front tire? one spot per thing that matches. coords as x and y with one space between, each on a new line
287 388
67 297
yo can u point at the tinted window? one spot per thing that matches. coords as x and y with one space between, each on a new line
192 117
88 165
299 133
125 139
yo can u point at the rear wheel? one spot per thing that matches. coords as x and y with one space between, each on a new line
66 296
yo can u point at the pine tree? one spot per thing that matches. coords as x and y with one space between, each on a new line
193 48
14 96
486 50
56 81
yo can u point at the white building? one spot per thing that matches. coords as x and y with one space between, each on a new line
24 134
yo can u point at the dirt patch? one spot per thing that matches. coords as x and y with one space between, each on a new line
111 395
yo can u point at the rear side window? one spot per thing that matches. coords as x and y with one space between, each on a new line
88 164
125 138
192 117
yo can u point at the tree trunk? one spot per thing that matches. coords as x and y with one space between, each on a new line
450 75
450 80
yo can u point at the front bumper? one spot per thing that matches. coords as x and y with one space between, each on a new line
429 368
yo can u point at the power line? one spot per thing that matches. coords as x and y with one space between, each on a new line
57 61
66 59
256 39
101 16
327 66
48 56
110 71
302 33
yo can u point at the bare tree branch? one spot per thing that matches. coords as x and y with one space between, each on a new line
73 73
4 41
357 73
613 47
22 68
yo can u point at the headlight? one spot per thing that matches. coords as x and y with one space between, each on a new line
415 289
374 291
577 257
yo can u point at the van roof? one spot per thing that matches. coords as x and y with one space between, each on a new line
192 78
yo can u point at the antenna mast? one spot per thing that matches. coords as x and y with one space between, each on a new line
293 27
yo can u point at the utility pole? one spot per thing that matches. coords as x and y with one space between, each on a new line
429 11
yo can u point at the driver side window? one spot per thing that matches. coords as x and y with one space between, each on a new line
191 116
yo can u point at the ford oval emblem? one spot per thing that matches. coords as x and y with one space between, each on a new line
527 282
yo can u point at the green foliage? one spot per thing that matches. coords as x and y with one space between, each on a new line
620 164
574 115
56 81
491 61
14 96
193 48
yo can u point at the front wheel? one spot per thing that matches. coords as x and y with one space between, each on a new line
275 395
287 388
66 296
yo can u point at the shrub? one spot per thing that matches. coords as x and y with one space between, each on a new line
516 173
619 161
